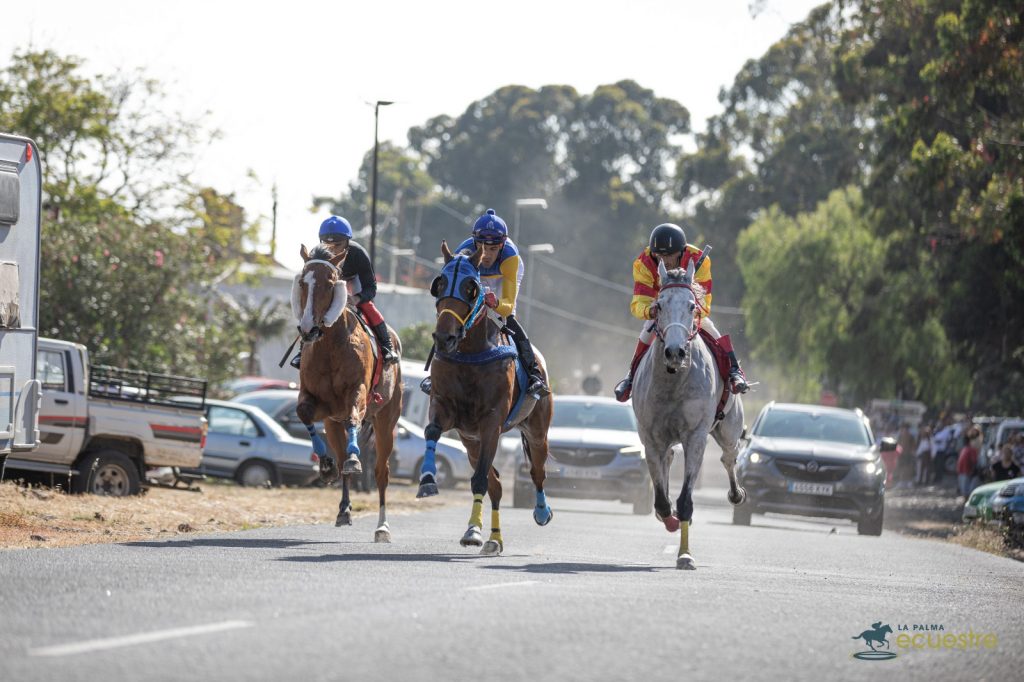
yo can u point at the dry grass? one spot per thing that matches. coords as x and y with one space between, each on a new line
40 517
985 539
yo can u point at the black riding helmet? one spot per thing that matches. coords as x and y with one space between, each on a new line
667 238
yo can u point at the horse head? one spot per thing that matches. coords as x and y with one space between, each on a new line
318 293
459 298
677 313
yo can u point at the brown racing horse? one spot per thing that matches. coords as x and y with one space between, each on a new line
336 378
473 390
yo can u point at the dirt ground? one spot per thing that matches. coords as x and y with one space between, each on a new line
44 517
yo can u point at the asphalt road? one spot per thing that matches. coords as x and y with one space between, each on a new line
593 596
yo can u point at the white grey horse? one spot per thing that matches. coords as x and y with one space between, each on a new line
675 396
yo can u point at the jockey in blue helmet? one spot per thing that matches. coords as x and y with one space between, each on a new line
336 234
501 270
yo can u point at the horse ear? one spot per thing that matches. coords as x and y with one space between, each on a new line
689 271
445 251
662 271
304 253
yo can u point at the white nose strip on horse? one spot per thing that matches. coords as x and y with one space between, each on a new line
306 324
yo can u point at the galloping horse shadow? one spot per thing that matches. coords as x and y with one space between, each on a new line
675 397
337 379
474 390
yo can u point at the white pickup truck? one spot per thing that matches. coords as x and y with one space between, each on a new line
105 427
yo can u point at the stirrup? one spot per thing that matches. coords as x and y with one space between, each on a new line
738 383
538 389
390 356
295 361
425 385
623 389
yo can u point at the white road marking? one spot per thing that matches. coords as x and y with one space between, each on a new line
142 638
495 586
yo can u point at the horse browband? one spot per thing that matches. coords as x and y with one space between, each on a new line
332 266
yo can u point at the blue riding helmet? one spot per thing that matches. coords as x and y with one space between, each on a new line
335 228
490 229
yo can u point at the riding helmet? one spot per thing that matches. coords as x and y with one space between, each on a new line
333 228
667 238
490 229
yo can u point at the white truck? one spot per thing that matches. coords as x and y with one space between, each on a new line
104 427
20 196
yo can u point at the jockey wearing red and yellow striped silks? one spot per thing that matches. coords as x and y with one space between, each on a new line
646 284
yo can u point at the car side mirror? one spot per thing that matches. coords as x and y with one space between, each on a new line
888 444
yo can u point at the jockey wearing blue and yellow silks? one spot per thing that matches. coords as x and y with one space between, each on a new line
501 271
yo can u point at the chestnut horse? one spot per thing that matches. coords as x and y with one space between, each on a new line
473 390
336 378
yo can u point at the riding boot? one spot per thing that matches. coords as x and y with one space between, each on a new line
737 380
625 387
384 338
298 358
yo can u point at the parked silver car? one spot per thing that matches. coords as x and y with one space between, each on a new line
243 443
410 443
594 452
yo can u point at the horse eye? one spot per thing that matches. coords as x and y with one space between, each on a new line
692 307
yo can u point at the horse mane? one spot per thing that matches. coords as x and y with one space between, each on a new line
678 275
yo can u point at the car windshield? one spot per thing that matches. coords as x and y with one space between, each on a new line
837 428
583 415
268 403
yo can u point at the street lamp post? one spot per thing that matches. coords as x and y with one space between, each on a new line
395 253
533 248
540 203
373 191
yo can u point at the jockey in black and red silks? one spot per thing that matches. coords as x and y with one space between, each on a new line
336 235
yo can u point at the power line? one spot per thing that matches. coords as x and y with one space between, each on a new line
558 312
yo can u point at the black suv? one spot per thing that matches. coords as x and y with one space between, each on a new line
813 461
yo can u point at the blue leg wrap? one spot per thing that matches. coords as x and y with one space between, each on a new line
542 512
429 463
353 440
319 447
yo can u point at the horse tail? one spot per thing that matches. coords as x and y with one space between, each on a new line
526 448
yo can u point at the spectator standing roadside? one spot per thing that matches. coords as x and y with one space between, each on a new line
905 464
967 462
1005 468
924 455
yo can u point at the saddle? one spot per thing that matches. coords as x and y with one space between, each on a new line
724 365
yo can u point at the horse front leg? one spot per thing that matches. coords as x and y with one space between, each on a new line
306 412
473 537
336 438
489 433
658 455
352 464
494 545
693 452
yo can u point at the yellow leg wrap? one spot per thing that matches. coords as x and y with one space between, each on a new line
477 517
496 527
684 537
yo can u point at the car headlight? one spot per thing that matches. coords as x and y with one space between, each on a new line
872 468
1008 491
758 458
633 451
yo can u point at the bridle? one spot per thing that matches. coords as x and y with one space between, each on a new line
317 331
452 278
694 326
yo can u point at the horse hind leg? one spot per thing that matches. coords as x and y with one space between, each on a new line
345 506
428 470
536 455
727 435
383 443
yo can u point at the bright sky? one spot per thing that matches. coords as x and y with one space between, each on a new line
288 83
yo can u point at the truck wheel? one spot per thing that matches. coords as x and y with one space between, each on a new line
106 472
256 474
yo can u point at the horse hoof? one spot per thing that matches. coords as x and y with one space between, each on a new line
543 515
739 498
671 523
685 563
352 466
382 535
344 519
472 538
328 469
427 489
491 548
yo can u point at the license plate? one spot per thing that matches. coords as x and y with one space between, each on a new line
581 472
810 488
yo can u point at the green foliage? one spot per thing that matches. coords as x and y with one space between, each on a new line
131 251
417 340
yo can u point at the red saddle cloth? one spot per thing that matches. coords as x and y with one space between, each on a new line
724 365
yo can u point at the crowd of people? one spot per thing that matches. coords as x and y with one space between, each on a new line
921 455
